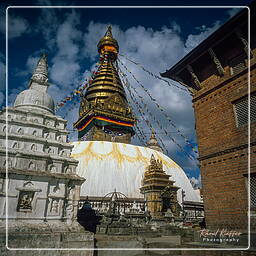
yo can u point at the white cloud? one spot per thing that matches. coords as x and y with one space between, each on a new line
16 26
196 182
232 12
65 70
32 62
193 40
2 76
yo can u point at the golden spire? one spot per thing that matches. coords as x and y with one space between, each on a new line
105 97
153 143
106 82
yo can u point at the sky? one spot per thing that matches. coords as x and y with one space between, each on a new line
157 38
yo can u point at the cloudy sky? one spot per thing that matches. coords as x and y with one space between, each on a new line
154 37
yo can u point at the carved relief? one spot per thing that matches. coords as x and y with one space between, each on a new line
2 183
15 145
52 168
247 48
26 196
31 166
25 200
47 135
216 61
8 163
33 147
20 131
194 77
55 205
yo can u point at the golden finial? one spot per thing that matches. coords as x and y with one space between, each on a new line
153 134
108 43
109 32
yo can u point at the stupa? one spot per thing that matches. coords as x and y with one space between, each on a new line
107 159
39 187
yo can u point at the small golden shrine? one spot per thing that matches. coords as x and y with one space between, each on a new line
159 191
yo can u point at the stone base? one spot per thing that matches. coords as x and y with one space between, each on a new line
42 236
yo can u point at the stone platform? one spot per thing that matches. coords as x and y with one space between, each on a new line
45 236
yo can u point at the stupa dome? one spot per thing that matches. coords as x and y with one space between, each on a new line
31 98
107 166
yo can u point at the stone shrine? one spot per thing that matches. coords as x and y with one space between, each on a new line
39 187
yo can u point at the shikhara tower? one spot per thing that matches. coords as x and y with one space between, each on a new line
42 182
104 113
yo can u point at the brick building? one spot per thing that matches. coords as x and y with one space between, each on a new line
216 73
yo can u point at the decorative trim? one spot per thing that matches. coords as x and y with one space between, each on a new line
216 61
227 151
43 174
29 189
35 125
26 112
223 83
246 48
194 77
29 138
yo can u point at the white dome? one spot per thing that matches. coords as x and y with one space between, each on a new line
107 166
31 98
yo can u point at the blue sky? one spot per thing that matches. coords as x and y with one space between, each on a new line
155 37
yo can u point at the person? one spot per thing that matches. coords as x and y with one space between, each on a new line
87 217
202 224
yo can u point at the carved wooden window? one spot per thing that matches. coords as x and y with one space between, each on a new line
241 111
253 191
237 64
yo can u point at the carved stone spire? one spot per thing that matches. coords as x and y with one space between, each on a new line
153 143
40 75
36 96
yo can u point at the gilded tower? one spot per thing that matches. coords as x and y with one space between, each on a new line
104 113
159 191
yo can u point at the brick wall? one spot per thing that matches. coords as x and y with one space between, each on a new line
223 148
